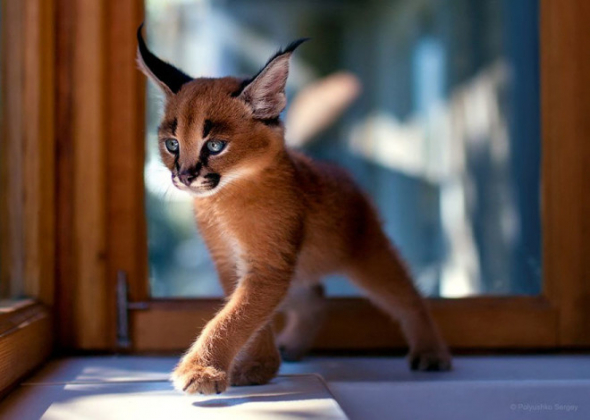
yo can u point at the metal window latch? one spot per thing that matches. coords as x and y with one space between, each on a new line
123 308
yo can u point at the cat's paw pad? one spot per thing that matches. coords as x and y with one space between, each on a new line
255 372
430 360
192 378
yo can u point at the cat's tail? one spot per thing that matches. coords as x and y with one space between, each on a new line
319 105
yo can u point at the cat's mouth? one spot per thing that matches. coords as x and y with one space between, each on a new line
202 186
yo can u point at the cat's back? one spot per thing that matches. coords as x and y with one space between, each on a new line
320 180
339 215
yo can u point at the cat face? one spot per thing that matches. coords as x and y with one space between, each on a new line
217 131
207 138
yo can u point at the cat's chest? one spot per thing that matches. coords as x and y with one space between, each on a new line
230 223
240 221
250 231
225 233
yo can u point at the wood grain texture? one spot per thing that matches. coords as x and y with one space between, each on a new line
127 250
12 222
27 214
474 323
65 280
81 129
39 150
28 97
565 80
100 182
25 342
88 130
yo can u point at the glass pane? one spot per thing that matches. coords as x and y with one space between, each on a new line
445 135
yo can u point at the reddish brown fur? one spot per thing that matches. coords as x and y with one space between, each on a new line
281 223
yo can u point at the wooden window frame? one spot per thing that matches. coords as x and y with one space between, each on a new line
25 340
112 213
27 205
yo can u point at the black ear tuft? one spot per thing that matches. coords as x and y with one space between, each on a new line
265 92
287 50
166 75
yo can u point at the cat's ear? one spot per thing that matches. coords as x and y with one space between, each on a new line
265 92
166 76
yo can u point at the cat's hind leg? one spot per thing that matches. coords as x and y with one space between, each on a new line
382 275
304 310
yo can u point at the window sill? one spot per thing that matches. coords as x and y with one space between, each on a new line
367 388
25 340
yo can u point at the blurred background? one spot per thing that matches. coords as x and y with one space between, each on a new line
444 134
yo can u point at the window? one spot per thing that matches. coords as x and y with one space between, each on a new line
72 163
102 232
445 136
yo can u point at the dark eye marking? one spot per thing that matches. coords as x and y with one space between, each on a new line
207 128
216 128
169 126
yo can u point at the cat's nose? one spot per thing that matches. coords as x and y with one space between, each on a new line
186 177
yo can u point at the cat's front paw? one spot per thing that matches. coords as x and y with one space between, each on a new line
438 359
192 376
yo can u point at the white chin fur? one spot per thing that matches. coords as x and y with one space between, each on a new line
225 179
194 189
206 193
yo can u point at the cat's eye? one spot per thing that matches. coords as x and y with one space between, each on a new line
172 145
215 146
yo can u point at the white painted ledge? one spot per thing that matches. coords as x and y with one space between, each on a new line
543 387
